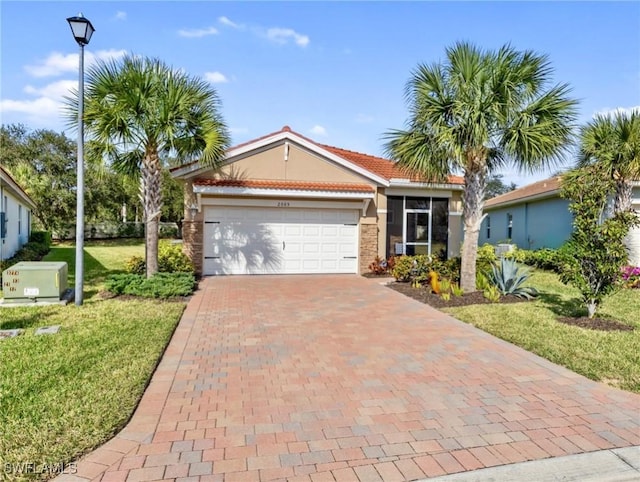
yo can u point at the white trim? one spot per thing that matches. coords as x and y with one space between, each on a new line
279 203
194 169
383 211
455 213
251 191
404 191
527 199
365 206
407 183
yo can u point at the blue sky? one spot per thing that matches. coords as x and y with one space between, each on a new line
334 71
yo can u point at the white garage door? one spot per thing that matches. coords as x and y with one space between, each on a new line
252 240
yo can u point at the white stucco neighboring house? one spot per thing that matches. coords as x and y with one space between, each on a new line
15 215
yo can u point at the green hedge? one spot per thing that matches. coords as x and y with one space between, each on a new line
161 285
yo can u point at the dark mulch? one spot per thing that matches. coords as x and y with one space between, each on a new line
595 323
425 295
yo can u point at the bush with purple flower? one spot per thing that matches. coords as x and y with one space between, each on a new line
631 276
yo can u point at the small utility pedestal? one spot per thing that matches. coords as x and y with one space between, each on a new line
35 282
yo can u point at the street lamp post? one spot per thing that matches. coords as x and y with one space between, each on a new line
82 31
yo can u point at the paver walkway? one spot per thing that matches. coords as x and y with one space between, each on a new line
339 378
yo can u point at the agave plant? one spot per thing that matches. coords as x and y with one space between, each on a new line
508 277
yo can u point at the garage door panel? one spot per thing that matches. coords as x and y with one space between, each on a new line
267 240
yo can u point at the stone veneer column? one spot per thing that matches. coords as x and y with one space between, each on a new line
192 243
368 245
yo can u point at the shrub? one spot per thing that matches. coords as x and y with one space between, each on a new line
508 277
41 237
381 266
597 251
161 285
486 257
168 232
31 251
135 265
171 259
408 268
492 293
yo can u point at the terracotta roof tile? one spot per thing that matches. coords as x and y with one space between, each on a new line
549 186
380 166
278 184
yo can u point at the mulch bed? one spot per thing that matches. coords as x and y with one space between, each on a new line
424 295
595 323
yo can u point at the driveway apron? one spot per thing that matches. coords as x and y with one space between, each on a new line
317 378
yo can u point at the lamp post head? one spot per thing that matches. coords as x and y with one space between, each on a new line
81 28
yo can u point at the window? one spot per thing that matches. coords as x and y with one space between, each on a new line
488 227
509 226
19 219
417 225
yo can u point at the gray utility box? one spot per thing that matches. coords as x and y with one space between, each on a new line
30 281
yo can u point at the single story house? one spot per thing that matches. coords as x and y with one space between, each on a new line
535 216
285 204
15 215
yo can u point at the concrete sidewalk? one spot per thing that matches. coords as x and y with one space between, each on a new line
617 465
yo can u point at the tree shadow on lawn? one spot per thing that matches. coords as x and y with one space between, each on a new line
573 312
34 318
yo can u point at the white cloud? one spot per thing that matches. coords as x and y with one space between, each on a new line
198 32
120 15
318 131
283 35
46 108
57 63
229 23
215 77
56 90
617 110
364 119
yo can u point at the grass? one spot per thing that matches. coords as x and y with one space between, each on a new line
612 357
63 395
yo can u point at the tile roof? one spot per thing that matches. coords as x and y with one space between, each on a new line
280 184
379 166
547 186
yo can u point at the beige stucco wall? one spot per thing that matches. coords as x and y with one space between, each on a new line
301 165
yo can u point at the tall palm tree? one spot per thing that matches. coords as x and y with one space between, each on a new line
614 142
476 113
139 111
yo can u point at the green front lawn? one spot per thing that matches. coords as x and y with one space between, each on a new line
62 395
612 357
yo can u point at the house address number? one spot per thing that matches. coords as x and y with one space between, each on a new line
283 204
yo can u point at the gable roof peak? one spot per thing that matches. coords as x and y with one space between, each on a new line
286 129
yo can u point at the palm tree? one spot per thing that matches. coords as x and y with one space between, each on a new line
476 113
139 111
614 142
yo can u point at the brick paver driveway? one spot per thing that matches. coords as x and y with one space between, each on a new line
339 378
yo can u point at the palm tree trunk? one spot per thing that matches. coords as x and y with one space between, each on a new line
624 194
152 201
474 182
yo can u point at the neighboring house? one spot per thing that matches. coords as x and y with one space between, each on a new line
534 217
15 215
284 203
